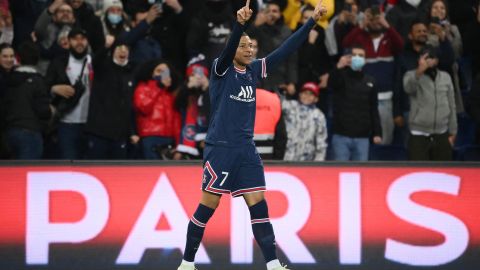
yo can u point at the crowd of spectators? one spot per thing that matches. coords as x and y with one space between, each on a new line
129 79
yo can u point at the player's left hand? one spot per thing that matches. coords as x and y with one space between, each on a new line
320 11
244 14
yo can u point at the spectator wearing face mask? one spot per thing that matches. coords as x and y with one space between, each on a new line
114 20
110 124
382 44
355 108
433 118
158 122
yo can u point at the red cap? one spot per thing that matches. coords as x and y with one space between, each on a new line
312 87
192 69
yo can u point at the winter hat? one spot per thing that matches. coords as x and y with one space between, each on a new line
312 87
111 3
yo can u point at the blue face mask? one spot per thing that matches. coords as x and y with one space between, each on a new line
357 62
114 18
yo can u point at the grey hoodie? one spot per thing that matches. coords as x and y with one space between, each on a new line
432 103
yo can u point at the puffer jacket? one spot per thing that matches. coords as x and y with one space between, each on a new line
155 111
432 103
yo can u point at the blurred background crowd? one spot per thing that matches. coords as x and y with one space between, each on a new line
128 79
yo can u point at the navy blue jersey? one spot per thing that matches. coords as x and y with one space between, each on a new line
232 91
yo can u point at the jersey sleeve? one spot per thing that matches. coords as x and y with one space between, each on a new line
222 63
288 46
259 68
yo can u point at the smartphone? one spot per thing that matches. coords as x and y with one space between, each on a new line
198 71
375 10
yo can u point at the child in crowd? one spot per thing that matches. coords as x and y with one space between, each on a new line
306 126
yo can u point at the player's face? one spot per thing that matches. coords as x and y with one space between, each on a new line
244 55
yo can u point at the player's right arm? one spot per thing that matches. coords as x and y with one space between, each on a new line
228 53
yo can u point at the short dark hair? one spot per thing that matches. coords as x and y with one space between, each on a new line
418 21
4 46
28 53
355 46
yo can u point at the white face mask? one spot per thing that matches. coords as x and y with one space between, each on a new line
414 3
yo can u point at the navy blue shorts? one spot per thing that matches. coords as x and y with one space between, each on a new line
235 170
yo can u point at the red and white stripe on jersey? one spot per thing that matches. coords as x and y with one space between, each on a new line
209 187
260 220
264 68
243 71
198 223
239 192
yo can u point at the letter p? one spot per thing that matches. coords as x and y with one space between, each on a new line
40 232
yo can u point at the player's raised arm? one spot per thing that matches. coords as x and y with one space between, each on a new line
296 39
226 58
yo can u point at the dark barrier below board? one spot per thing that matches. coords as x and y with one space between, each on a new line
327 216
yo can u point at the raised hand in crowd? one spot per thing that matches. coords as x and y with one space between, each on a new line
175 5
55 4
348 14
153 13
424 63
109 40
344 61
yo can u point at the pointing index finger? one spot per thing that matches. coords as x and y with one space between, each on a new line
247 5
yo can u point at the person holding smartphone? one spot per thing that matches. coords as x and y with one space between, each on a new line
382 44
